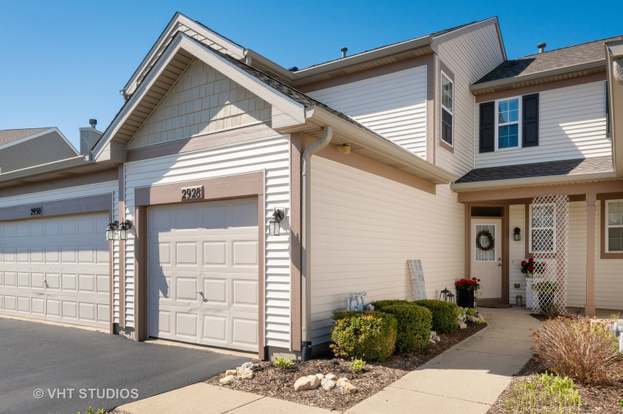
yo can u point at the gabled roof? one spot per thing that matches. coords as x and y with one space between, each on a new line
582 56
10 137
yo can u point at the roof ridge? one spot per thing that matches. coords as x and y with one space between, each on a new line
569 46
23 129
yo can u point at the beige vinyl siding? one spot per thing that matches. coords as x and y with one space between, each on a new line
108 187
576 256
608 275
572 124
202 101
469 57
393 105
271 155
365 227
517 252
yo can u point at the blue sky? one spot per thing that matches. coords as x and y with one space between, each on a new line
62 63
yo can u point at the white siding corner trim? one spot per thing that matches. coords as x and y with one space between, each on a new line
271 155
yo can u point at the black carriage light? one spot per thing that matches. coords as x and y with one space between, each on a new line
517 234
445 295
111 230
274 224
124 227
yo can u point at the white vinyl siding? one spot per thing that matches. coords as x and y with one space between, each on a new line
572 124
270 155
392 105
108 187
366 227
469 57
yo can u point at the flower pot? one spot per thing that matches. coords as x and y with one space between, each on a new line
465 297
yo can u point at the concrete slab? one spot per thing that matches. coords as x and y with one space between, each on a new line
277 406
398 401
200 398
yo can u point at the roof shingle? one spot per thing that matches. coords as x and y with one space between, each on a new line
8 136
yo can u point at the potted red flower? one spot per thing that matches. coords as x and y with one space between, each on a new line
465 290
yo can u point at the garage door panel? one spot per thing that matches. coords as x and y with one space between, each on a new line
208 255
53 269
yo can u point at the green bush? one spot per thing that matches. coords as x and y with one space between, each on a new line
283 362
365 335
357 365
414 323
445 314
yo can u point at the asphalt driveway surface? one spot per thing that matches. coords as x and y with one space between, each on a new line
50 369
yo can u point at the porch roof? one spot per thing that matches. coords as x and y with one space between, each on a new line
573 167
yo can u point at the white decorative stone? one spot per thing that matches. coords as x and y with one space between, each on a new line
245 373
308 382
226 380
327 384
344 386
231 372
320 376
248 365
331 376
462 325
434 338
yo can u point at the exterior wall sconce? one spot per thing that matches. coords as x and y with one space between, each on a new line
274 225
118 231
517 234
446 295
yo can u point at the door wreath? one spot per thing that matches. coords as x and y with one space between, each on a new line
487 237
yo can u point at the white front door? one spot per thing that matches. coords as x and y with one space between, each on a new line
487 256
203 273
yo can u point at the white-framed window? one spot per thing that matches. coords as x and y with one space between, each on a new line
507 123
447 109
542 228
614 226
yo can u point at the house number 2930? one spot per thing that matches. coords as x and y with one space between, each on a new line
192 193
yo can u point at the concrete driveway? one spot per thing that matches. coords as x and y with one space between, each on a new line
51 369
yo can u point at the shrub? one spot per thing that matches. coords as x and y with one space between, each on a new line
367 335
579 348
283 362
544 393
414 323
445 314
357 365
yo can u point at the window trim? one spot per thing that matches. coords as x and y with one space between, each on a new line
519 123
444 108
553 228
607 226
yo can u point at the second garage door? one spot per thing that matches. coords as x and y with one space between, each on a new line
203 273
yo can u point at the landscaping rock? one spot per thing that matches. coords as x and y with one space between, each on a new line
462 325
434 338
308 382
226 380
245 373
320 376
331 376
231 372
249 365
344 386
327 384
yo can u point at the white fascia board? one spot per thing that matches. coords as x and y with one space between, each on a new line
169 32
382 146
530 181
219 63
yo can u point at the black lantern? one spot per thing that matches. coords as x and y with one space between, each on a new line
111 230
274 225
124 227
118 231
517 234
446 295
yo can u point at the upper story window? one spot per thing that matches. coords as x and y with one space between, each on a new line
508 128
543 228
447 108
614 226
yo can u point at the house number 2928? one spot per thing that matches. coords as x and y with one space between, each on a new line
192 193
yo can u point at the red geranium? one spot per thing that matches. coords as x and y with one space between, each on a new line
467 283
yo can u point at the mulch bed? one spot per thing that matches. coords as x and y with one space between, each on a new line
276 382
595 399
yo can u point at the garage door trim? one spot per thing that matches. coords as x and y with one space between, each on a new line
69 207
215 189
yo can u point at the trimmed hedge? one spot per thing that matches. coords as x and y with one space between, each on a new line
414 323
370 336
445 314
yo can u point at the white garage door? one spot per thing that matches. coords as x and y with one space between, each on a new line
56 269
203 273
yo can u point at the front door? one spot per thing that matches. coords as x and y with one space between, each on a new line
487 256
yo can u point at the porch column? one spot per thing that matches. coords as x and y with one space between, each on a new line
589 308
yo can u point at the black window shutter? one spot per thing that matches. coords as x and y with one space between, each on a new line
530 109
487 127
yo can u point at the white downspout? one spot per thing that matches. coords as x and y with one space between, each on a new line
319 144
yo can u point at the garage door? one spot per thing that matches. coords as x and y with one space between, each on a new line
56 269
203 273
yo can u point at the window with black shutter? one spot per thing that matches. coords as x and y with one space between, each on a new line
487 127
530 118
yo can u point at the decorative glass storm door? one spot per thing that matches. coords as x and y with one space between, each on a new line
487 256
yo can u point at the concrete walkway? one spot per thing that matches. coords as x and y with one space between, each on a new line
467 378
